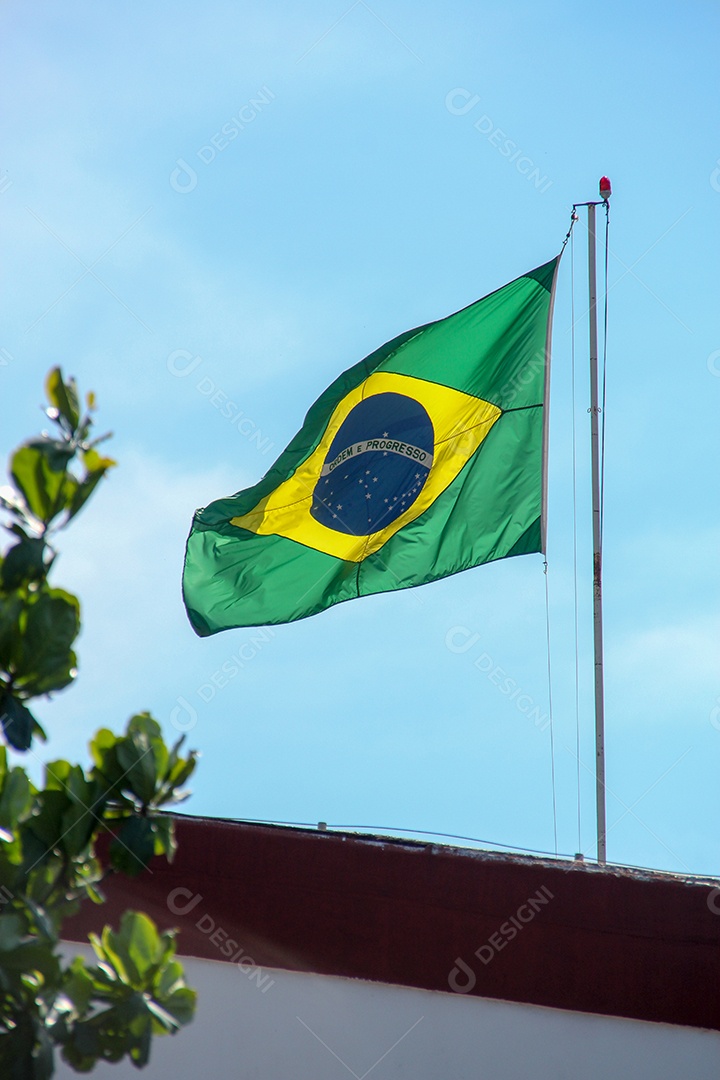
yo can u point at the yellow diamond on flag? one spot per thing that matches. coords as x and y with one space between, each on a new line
392 445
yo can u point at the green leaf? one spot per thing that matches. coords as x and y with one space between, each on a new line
31 957
96 466
143 756
12 931
15 528
47 661
57 775
54 613
63 395
78 985
125 1028
58 452
38 730
34 685
17 722
165 842
83 491
43 923
181 1004
87 877
46 822
145 726
134 846
15 797
170 977
43 1055
39 471
138 941
11 609
23 563
95 462
16 1049
181 772
128 952
82 817
137 956
102 747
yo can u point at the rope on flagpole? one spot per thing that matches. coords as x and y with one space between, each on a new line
604 373
573 410
568 237
550 706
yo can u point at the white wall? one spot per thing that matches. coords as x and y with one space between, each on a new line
323 1028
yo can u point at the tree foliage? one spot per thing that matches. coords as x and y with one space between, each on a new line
48 860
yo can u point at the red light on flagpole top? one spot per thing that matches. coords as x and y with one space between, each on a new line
605 188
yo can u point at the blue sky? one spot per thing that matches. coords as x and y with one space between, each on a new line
357 191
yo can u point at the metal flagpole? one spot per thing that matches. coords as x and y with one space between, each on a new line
597 534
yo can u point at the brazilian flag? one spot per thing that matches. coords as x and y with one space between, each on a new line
426 458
